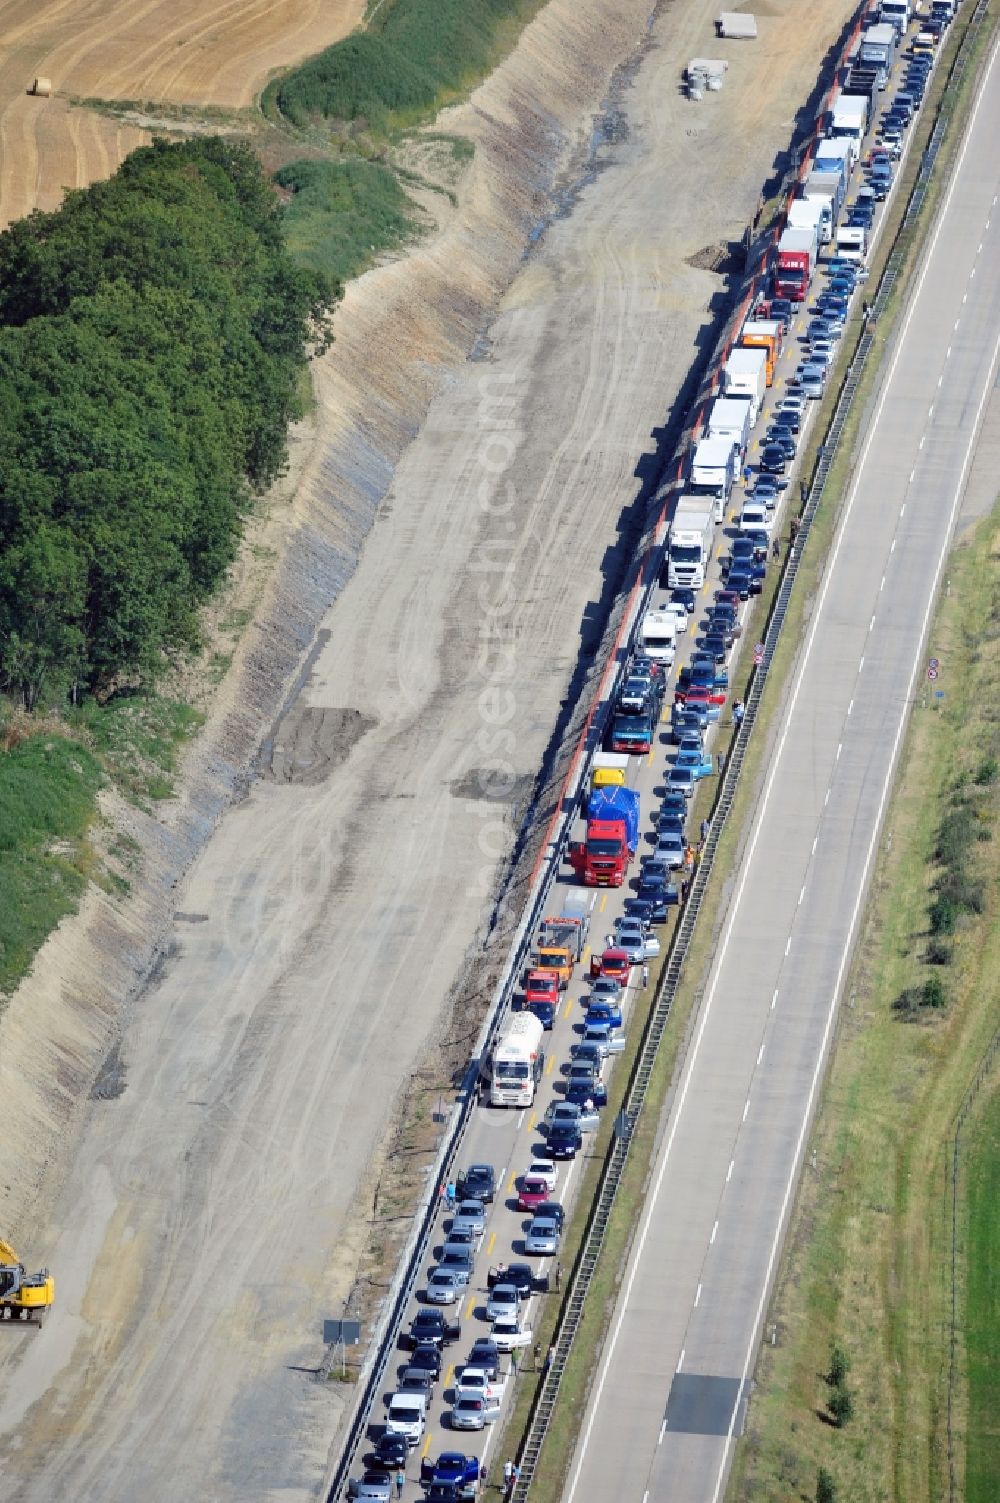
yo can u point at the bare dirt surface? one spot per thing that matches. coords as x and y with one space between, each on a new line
185 52
326 935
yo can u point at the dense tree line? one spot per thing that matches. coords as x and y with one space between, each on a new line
152 335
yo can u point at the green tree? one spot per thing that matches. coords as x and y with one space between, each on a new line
826 1491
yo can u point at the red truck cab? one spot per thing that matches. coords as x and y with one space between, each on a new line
542 986
603 858
614 963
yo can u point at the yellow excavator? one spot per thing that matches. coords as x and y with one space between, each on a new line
24 1295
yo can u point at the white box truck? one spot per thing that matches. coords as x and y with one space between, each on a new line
849 121
810 214
714 467
897 13
729 417
689 543
835 156
745 375
878 50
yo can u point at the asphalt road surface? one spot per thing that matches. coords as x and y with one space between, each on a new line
509 1139
672 1382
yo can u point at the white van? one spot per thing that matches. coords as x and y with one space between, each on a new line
852 242
406 1417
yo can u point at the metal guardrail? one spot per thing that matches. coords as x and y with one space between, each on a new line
670 977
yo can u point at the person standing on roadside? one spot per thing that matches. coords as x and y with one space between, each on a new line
400 1483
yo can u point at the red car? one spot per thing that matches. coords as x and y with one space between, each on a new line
698 694
614 963
533 1191
542 986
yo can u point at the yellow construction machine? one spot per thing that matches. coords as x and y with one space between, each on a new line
24 1295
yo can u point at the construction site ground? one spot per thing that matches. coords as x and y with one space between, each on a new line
212 1204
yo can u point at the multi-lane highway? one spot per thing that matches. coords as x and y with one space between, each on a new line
672 1382
684 1335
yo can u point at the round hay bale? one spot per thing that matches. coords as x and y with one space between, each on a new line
42 87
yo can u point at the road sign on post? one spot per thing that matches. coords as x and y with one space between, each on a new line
932 672
758 654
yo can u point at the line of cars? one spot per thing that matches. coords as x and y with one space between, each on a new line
475 1393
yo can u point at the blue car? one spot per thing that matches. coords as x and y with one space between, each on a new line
452 1469
705 670
604 1012
700 762
658 897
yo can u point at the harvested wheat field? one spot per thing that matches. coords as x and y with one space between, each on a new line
180 52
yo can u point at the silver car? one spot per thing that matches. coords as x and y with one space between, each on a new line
472 1413
462 1241
444 1286
470 1215
542 1237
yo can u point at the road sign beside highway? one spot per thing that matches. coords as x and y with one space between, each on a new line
932 672
758 654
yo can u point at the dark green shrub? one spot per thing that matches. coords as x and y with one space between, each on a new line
841 1407
938 952
826 1491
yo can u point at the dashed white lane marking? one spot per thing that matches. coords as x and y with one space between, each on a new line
774 1000
882 585
680 1360
788 944
923 440
715 1230
815 844
892 546
746 1108
930 410
663 1431
760 1053
697 1297
840 748
947 355
862 662
826 799
729 1171
850 708
901 511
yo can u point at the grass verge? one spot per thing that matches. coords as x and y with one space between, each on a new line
415 57
867 1267
982 1305
51 771
48 791
340 214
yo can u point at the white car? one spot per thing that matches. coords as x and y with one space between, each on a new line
475 1382
679 613
509 1334
755 517
546 1170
